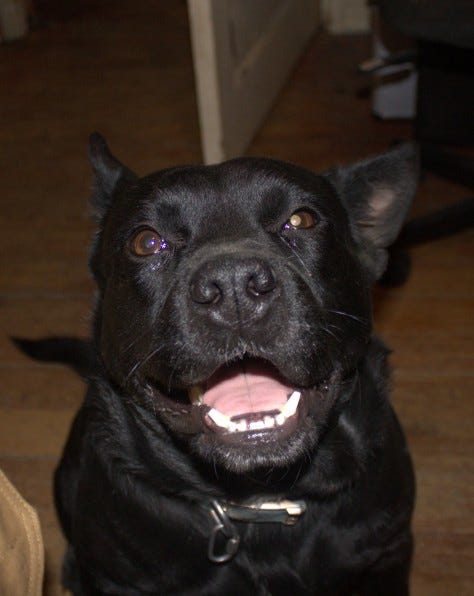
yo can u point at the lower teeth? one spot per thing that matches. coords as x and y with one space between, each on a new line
268 421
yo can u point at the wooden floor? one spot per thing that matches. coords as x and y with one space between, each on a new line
125 69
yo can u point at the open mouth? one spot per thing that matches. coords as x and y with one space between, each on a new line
240 399
249 395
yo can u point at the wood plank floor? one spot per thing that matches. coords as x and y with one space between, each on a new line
125 69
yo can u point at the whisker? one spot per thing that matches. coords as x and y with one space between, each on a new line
300 260
140 363
175 366
331 333
333 326
346 314
156 316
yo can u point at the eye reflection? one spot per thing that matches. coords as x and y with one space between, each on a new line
300 220
147 242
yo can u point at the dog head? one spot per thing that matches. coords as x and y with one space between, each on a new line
234 299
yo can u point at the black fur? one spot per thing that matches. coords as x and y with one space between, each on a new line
140 466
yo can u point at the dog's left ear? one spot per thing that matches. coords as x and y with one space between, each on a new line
377 194
108 172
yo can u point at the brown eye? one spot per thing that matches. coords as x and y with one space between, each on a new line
147 242
300 220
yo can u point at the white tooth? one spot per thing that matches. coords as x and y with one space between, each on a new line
196 394
257 425
291 405
232 427
269 421
219 418
241 425
280 419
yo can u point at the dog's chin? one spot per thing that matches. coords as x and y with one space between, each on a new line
246 415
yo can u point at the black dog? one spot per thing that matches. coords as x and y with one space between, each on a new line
236 437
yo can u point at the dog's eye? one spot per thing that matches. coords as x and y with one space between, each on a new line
147 242
300 220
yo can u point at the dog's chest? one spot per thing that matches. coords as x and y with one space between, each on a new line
272 558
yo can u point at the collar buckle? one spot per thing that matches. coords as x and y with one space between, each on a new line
224 539
284 512
223 526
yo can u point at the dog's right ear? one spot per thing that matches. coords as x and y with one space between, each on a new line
108 172
377 194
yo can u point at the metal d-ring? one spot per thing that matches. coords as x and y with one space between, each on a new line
227 529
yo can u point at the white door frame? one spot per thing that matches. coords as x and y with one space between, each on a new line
234 92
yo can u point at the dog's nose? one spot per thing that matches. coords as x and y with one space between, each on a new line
233 292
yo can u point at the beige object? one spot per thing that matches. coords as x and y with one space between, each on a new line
243 52
13 20
21 544
346 16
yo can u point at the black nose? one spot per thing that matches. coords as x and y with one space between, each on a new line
233 291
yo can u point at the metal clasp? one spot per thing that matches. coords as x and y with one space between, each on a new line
290 510
228 531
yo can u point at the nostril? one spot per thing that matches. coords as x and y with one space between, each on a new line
252 287
261 281
205 292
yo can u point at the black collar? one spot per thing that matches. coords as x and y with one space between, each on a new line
222 512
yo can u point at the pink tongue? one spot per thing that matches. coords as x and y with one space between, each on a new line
246 387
